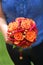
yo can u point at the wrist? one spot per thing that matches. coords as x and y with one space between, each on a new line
4 29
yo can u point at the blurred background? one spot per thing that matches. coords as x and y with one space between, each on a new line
4 56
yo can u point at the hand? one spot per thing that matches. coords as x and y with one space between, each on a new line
4 29
6 36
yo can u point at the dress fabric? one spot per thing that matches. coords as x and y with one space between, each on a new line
24 8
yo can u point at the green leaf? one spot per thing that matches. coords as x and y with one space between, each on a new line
14 46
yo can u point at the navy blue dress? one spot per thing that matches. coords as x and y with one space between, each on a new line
24 8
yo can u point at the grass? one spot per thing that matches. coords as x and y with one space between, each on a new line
4 56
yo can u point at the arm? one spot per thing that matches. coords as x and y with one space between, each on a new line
3 25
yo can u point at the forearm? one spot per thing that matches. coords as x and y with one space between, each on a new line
3 27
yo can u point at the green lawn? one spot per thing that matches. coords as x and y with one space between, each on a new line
4 56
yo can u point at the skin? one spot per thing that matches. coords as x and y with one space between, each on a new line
3 25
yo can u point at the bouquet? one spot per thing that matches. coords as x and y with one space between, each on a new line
22 32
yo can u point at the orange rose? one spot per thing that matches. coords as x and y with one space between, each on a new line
18 36
19 19
10 26
31 20
16 42
25 24
13 26
31 36
32 23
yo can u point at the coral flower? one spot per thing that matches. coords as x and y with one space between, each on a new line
18 36
25 24
31 36
19 19
16 42
13 26
10 26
